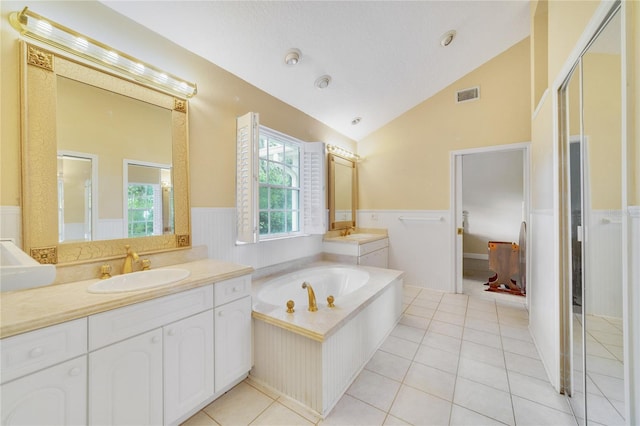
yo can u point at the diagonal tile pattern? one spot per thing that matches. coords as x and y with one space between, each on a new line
453 359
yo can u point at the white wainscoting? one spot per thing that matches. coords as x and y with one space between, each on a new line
216 228
542 291
110 229
420 245
603 268
11 223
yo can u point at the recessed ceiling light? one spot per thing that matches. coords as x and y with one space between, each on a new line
356 120
292 57
323 82
447 38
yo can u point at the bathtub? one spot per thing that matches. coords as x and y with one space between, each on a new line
313 357
336 281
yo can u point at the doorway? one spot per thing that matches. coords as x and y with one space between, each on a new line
490 201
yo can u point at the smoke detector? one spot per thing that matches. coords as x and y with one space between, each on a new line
292 57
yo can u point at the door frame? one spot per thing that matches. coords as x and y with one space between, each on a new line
456 202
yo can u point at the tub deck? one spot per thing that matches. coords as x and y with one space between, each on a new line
313 357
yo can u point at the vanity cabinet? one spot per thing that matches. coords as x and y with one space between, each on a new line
188 364
366 251
44 376
232 331
233 341
55 395
170 365
125 382
149 363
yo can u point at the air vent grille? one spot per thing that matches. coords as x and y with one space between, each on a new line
466 95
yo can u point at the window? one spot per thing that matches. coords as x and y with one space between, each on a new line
141 200
279 184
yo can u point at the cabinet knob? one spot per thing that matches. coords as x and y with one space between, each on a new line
74 371
221 313
171 332
155 339
36 352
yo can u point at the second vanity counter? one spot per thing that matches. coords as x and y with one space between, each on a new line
28 310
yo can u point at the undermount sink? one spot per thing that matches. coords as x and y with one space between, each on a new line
139 280
19 271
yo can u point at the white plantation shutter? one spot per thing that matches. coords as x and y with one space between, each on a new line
314 186
247 178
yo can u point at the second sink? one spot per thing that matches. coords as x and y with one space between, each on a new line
139 280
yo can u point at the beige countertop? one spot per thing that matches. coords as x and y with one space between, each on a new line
357 238
26 310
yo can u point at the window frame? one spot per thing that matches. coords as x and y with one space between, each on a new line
296 211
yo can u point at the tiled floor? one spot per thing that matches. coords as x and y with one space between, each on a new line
605 370
454 359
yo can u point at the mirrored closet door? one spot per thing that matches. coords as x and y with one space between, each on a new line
591 136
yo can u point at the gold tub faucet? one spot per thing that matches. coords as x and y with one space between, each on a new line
312 296
347 231
131 257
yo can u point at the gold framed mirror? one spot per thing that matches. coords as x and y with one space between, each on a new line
44 73
342 192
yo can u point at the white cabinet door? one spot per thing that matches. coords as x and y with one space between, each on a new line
232 341
378 258
54 396
125 382
188 364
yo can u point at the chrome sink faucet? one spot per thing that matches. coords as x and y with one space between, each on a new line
129 259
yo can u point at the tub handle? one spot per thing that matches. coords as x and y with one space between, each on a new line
330 301
290 305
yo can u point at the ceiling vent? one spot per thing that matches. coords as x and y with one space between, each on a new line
465 95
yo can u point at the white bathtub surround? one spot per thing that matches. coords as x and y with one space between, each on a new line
313 357
419 244
216 228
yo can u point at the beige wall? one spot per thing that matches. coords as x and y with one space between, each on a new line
566 22
212 113
406 163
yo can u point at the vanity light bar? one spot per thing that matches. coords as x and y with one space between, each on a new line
39 28
336 150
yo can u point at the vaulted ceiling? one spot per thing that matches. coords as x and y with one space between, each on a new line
383 57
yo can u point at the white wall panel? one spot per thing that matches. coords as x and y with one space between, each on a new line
11 223
543 293
216 228
420 248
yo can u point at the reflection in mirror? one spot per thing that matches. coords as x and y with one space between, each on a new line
77 183
591 102
602 223
74 110
149 200
342 192
113 127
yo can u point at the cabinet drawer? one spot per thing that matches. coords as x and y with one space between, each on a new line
35 350
373 246
229 290
119 324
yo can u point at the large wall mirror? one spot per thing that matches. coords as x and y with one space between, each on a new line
105 162
591 135
342 192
